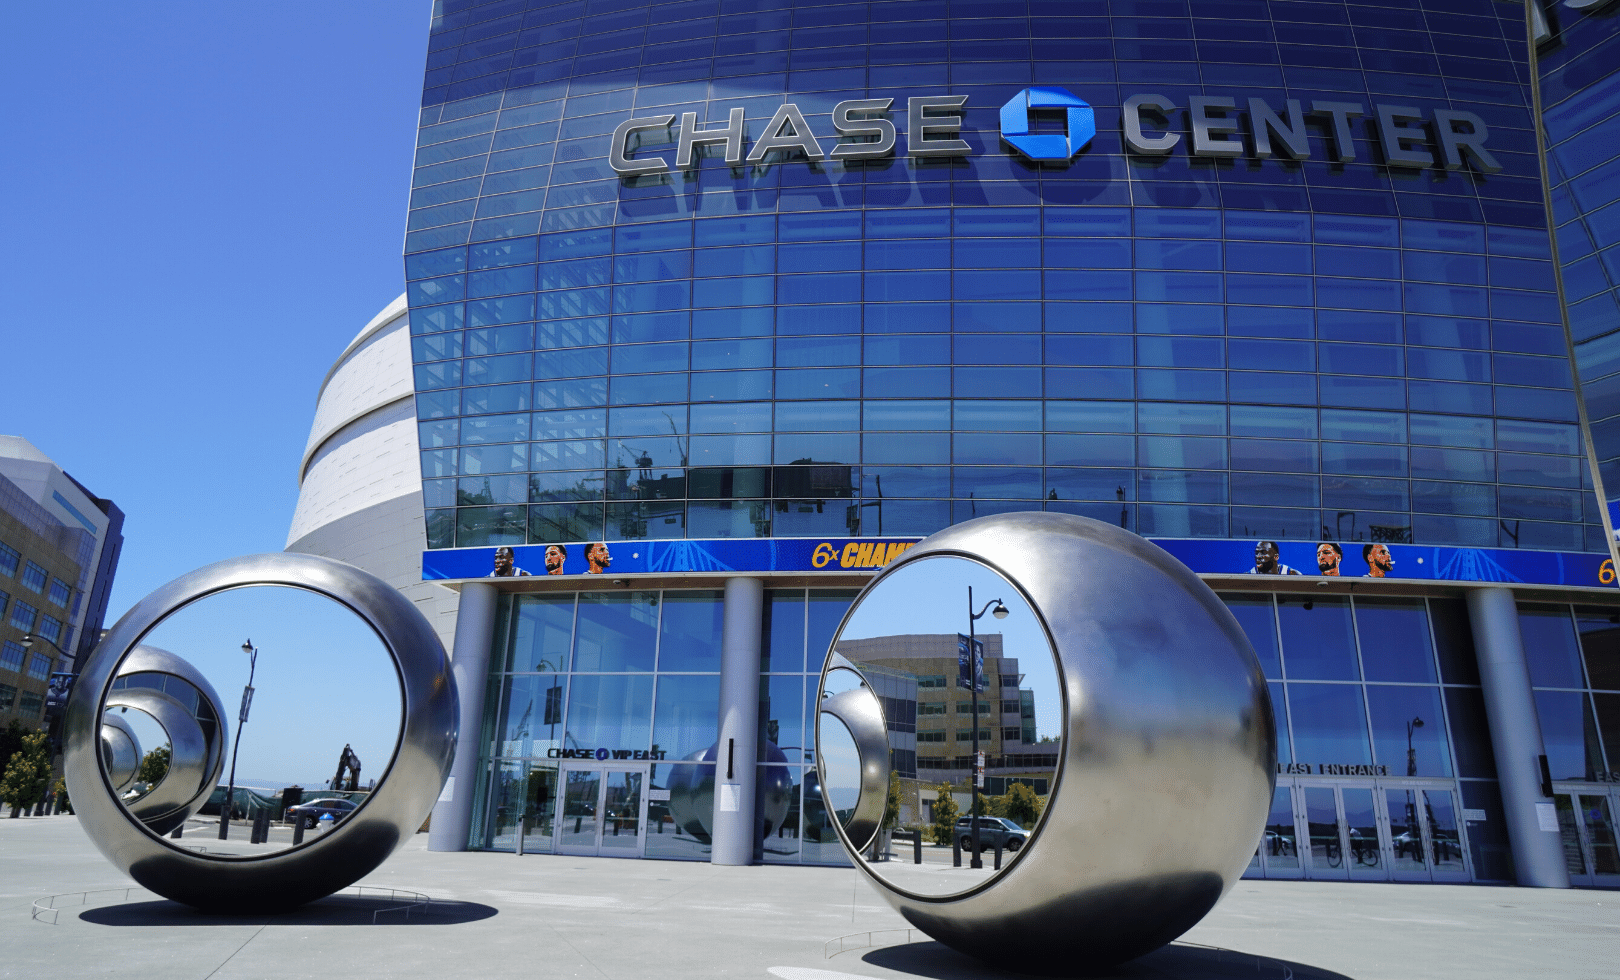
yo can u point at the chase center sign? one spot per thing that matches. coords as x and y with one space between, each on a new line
1216 127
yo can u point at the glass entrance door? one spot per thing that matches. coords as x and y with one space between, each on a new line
1586 821
1278 855
602 811
1367 831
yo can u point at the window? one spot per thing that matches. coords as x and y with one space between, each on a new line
51 629
3 600
930 736
8 697
34 578
60 592
931 680
11 655
31 704
1010 734
966 708
1009 680
8 558
1009 707
23 615
930 709
39 667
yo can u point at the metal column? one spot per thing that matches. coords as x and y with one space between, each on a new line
738 749
469 663
1510 710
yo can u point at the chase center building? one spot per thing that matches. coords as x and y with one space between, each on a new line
717 306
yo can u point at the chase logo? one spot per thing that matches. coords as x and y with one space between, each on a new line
1080 125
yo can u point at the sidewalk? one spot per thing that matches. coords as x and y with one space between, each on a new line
540 917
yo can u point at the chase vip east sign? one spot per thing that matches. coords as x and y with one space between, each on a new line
1216 126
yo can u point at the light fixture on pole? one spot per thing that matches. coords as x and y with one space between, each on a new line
975 683
241 719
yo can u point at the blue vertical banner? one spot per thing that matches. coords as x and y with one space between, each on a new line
969 668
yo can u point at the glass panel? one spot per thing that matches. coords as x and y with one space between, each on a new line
1488 843
819 839
776 806
530 714
781 716
689 635
542 631
579 808
1454 641
1569 734
1259 621
1569 833
783 646
1329 724
1395 640
621 812
1281 852
1445 843
1599 822
610 711
678 825
1322 821
686 722
1550 647
1472 739
1279 710
1408 729
616 631
1317 638
1600 644
827 608
541 807
1405 831
1365 852
506 806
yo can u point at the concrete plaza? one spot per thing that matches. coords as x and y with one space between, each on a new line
500 916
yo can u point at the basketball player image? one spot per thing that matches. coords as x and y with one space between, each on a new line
1266 560
556 554
1328 557
504 566
597 554
1379 561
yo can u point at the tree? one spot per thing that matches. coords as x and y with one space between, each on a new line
64 805
155 766
1020 804
27 774
891 811
945 814
11 740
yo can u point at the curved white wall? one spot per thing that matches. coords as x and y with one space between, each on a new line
360 487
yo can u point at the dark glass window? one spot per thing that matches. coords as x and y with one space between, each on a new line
1317 638
1454 640
1569 734
1550 646
1258 619
689 631
1399 740
1395 641
616 632
1330 724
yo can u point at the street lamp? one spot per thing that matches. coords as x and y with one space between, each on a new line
241 719
1411 753
1000 612
1411 770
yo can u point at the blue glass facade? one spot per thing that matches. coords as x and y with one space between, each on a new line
1578 70
1231 347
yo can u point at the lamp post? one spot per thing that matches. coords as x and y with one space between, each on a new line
1411 753
241 719
1000 612
1411 770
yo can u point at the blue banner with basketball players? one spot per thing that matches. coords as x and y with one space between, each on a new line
1202 555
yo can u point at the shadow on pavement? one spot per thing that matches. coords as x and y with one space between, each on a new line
335 910
1178 961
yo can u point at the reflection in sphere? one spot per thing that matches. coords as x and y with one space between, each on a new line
120 752
175 697
691 796
774 791
1161 736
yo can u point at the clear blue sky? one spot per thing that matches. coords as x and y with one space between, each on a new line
204 202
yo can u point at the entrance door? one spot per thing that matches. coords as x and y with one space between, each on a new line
603 811
1342 827
1586 821
1278 856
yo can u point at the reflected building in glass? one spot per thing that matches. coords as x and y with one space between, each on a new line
697 290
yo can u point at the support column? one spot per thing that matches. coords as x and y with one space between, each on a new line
1510 711
469 664
738 749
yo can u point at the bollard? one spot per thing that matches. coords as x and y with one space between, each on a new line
916 846
522 832
956 851
998 854
298 831
578 821
262 823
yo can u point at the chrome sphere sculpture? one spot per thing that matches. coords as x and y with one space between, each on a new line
162 686
404 793
120 752
1165 756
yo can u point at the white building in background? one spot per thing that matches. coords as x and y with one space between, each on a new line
360 486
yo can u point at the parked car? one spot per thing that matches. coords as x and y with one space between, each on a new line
992 831
314 810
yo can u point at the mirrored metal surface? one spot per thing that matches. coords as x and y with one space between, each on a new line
1164 759
125 679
